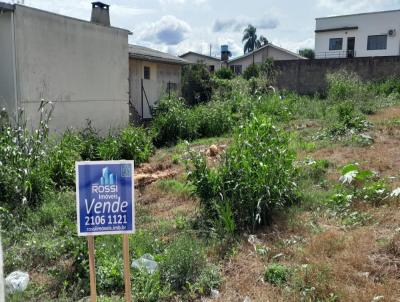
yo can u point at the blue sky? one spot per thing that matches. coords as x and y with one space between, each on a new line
178 26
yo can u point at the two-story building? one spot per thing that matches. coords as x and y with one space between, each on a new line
358 35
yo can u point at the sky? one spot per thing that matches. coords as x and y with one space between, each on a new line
178 26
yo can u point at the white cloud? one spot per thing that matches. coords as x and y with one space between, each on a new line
168 30
351 6
239 23
181 2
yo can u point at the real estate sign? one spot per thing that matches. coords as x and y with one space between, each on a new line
105 197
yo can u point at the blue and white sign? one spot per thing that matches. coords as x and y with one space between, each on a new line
105 197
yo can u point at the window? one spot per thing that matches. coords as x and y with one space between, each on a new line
237 69
146 73
335 44
377 42
211 68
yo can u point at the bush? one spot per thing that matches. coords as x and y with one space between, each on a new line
253 71
90 142
182 262
24 177
346 120
255 176
62 160
196 84
214 119
172 122
277 274
135 144
148 287
208 279
224 73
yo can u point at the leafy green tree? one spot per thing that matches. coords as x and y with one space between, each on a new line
253 71
196 84
249 38
307 53
224 73
262 41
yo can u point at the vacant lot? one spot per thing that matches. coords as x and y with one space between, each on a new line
274 197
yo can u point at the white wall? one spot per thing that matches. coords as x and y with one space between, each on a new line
156 87
368 24
7 87
82 67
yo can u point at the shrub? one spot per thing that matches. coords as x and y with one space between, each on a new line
90 142
208 279
255 176
24 177
62 160
135 144
224 73
148 287
214 119
196 84
346 120
109 148
268 70
253 71
182 262
277 274
172 122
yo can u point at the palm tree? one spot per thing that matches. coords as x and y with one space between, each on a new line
250 38
262 41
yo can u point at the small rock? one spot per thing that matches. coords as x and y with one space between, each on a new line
146 262
377 298
363 274
214 294
17 282
247 299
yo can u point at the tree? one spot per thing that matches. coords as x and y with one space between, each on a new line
249 38
307 52
224 73
253 71
196 84
262 41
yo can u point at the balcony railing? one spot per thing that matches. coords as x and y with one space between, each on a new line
335 54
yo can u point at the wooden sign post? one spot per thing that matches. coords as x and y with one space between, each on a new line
105 206
127 270
92 271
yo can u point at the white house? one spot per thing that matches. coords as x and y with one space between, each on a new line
212 63
358 35
81 66
258 56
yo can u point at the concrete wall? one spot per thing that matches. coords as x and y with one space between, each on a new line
81 67
309 76
160 75
193 58
7 72
368 24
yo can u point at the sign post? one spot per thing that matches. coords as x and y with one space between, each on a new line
105 206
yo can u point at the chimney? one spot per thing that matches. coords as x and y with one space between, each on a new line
100 13
225 53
